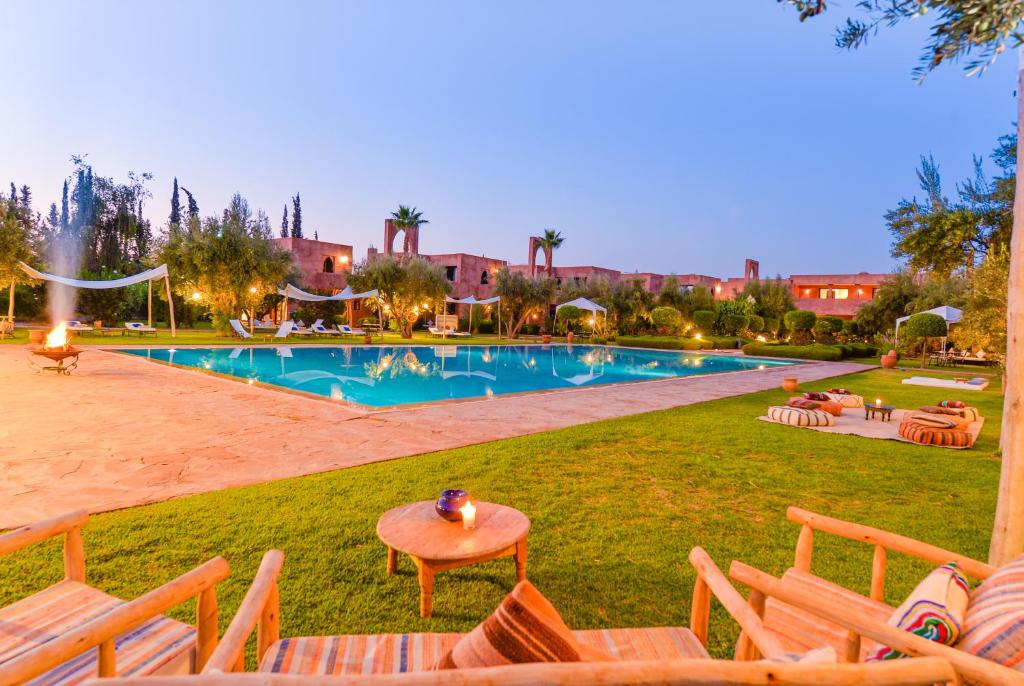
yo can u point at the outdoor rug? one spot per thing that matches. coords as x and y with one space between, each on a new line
852 422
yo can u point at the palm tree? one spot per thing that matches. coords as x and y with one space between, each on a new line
551 241
407 218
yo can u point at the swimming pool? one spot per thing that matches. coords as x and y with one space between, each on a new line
383 376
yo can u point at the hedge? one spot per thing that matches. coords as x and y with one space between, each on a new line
858 350
827 353
663 342
704 320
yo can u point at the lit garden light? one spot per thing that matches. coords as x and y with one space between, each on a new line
197 296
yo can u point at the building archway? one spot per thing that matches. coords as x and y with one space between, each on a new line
410 239
535 246
485 277
328 265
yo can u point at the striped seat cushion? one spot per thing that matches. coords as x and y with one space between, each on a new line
161 645
994 623
847 399
935 421
801 632
914 431
800 417
399 653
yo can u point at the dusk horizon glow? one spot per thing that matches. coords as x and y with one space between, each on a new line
657 137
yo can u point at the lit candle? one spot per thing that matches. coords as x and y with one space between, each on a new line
878 402
468 515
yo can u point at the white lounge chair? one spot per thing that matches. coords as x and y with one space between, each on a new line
459 334
266 324
346 330
75 325
975 384
139 328
286 328
319 328
434 331
238 329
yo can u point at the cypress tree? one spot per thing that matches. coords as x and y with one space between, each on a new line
64 209
175 217
316 237
26 197
284 223
13 200
193 207
297 216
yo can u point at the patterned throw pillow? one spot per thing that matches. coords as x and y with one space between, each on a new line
994 625
524 628
803 403
936 421
839 391
934 610
816 396
955 404
932 409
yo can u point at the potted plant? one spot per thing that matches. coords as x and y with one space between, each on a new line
890 359
790 384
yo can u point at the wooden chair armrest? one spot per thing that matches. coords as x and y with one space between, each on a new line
910 672
888 540
37 532
260 607
750 622
849 617
102 630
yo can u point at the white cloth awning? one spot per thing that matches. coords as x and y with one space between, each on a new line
151 275
951 314
583 304
471 300
290 291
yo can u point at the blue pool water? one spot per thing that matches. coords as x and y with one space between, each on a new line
381 376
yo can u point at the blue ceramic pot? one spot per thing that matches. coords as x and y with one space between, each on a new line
448 504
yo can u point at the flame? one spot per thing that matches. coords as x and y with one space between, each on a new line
57 338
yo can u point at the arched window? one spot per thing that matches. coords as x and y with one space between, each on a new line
485 277
329 265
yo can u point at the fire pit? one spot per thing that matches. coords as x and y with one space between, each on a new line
57 348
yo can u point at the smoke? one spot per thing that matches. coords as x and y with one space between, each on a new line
65 258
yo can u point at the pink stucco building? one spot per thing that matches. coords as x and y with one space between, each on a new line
322 265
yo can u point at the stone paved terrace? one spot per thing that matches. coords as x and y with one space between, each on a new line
123 431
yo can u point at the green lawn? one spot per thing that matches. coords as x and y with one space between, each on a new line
615 506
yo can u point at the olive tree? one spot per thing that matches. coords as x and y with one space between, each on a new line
404 284
14 248
667 320
522 297
922 328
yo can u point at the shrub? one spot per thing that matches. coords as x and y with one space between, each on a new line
667 320
663 342
799 324
826 353
724 342
923 326
732 324
756 324
851 329
704 320
569 318
771 326
826 328
598 340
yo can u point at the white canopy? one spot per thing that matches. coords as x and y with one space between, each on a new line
290 291
583 304
951 314
151 275
471 300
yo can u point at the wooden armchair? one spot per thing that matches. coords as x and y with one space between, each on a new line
259 611
803 610
71 631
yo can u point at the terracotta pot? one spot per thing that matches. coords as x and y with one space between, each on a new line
546 338
889 360
790 384
36 336
568 338
367 339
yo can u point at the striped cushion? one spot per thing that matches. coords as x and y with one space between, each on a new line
524 628
801 632
160 645
800 417
927 435
933 420
847 399
994 624
813 395
934 610
933 409
955 404
399 653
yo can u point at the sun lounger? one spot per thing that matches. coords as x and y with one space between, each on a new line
346 330
286 328
238 329
804 611
975 384
322 330
434 331
77 326
657 655
66 633
139 328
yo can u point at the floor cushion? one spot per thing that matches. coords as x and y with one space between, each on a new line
934 610
994 623
934 409
800 417
953 404
847 399
804 403
929 435
524 628
933 420
814 395
970 414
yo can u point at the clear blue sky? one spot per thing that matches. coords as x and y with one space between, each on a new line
663 136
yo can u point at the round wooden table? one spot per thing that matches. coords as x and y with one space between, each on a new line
436 545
